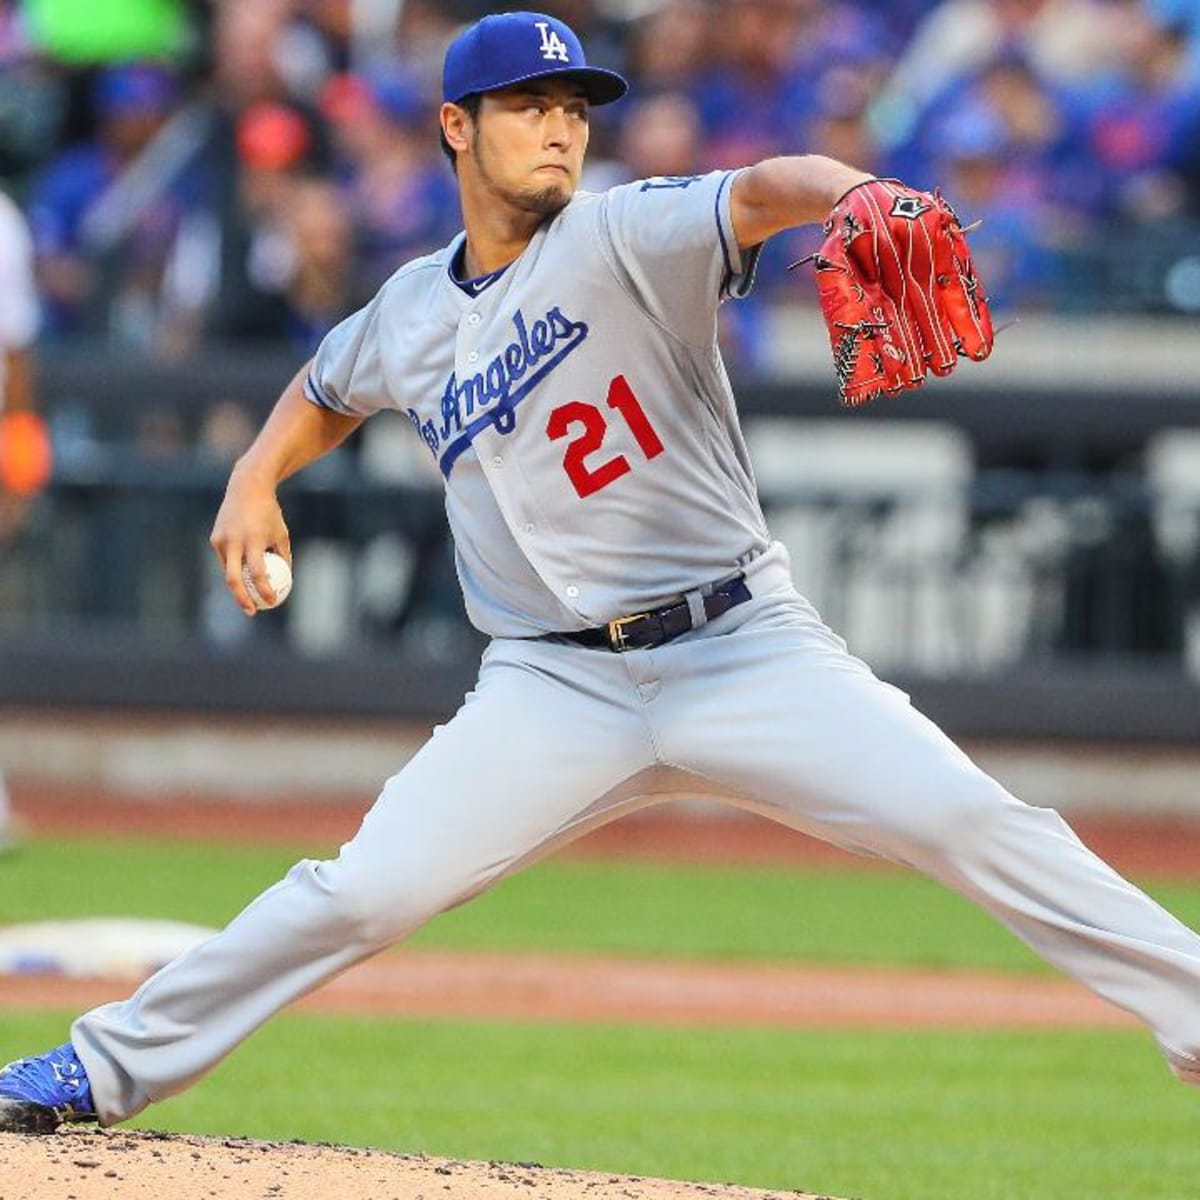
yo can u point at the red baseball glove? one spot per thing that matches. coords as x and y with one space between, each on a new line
898 290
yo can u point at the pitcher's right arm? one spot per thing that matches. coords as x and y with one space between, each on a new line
250 520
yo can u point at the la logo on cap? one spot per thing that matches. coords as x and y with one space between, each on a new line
553 47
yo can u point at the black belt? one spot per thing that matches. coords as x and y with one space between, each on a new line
644 631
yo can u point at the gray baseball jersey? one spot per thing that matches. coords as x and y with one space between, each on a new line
578 407
583 422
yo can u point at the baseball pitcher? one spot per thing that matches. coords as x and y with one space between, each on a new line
559 361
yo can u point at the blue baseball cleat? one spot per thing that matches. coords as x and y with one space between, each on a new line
38 1094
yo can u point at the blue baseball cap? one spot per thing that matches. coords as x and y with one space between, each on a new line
508 48
134 87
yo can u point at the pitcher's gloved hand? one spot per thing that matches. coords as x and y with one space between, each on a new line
898 290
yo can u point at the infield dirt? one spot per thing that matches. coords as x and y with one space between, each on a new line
132 1165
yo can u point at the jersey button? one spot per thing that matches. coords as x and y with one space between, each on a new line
572 592
529 527
497 461
473 356
474 319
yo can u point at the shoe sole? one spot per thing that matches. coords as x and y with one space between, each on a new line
22 1116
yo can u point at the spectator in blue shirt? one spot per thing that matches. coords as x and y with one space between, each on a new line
79 212
398 189
1134 127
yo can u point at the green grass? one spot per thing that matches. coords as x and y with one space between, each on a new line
880 1116
883 917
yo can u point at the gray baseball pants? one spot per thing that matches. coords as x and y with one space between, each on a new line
763 708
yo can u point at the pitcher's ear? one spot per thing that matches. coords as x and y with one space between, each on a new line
456 123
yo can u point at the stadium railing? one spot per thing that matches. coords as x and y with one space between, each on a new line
1020 555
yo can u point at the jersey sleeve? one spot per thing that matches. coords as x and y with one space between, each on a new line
671 242
347 371
19 311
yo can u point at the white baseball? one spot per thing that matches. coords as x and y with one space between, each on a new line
278 573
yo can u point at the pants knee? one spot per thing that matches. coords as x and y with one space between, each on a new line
374 908
965 815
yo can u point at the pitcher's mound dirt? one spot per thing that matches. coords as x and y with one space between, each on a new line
132 1165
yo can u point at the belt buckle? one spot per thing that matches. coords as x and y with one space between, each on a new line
616 631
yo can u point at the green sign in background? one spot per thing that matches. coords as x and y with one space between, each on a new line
99 31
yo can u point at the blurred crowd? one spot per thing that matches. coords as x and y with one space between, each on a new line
252 170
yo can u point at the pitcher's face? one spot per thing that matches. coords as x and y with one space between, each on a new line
528 144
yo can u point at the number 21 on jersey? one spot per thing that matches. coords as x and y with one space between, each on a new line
593 425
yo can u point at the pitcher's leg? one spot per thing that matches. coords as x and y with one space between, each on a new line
819 743
527 759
